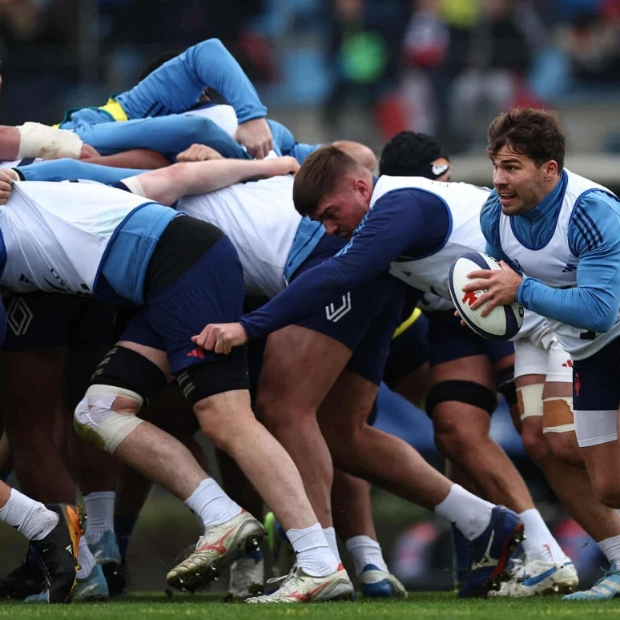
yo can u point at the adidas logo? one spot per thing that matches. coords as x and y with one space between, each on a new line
569 267
196 353
567 364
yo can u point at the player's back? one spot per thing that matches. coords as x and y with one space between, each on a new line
261 221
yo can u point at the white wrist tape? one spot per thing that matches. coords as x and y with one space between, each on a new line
134 186
37 140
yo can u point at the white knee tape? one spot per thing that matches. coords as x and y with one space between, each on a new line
530 400
97 423
37 140
596 427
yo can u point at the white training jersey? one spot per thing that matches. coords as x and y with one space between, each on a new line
464 202
261 221
549 266
56 234
222 115
431 274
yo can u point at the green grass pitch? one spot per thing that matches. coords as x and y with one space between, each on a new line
418 606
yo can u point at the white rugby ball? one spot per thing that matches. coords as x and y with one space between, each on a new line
504 321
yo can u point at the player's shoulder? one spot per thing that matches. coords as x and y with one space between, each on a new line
491 209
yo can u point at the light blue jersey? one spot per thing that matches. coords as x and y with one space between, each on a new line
176 87
568 246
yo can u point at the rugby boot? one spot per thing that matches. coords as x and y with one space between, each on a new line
218 547
607 587
56 554
300 587
491 552
377 583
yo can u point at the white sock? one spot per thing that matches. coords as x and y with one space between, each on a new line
332 541
312 551
100 512
469 513
85 559
30 518
611 548
364 550
539 543
211 504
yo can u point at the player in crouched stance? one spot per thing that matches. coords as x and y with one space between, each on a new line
397 226
54 533
182 273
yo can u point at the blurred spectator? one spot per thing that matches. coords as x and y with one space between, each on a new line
594 45
500 53
424 53
364 56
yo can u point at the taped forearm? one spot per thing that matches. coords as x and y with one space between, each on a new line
37 140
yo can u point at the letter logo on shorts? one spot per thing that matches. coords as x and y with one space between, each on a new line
19 316
335 314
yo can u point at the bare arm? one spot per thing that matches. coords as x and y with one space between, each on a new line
140 159
9 142
167 185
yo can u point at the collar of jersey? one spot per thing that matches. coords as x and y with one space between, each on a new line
535 228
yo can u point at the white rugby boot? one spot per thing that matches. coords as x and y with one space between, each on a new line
247 575
218 547
299 587
538 577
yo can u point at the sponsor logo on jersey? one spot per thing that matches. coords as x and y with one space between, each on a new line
19 316
334 313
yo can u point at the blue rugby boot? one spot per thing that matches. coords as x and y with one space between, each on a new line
461 557
377 583
491 552
108 556
607 587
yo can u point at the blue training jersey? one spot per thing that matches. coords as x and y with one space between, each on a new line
405 221
592 302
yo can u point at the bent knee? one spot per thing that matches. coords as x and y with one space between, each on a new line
97 421
564 447
534 442
608 492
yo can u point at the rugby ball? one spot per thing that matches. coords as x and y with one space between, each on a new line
504 321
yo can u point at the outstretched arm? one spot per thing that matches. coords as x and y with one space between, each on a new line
167 185
37 140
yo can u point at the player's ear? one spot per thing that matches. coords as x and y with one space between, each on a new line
362 187
550 169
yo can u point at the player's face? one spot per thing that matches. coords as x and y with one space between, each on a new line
342 211
520 183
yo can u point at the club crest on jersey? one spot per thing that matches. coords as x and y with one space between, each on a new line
334 313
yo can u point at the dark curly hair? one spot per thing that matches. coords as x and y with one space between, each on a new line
534 133
410 153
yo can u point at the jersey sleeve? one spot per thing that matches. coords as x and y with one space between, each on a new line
213 65
593 237
286 144
398 221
